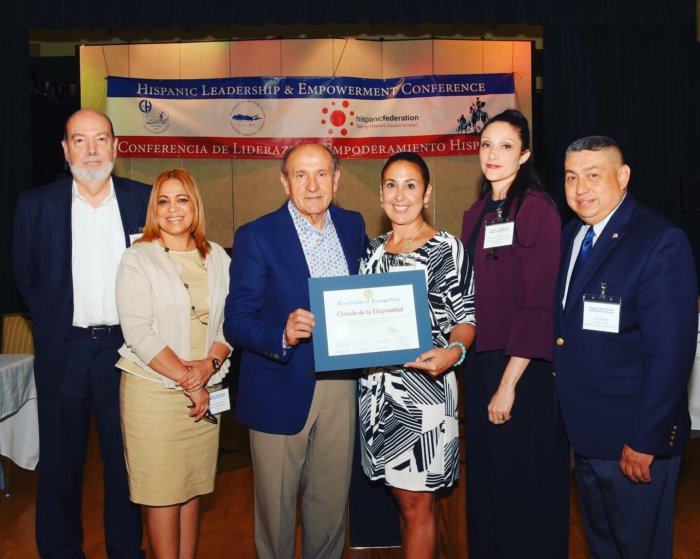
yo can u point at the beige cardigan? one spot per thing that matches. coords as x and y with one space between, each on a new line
154 305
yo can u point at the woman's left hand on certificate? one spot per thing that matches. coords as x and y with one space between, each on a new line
435 361
198 375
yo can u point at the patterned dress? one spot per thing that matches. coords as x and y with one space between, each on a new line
409 432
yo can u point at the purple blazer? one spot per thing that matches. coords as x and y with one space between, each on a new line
514 293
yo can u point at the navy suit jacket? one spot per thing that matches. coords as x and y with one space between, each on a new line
269 280
42 256
630 387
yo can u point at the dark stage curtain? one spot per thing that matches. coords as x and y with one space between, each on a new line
75 14
15 144
638 85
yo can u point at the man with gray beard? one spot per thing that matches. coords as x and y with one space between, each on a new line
69 238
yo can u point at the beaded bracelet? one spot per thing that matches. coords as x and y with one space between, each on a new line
461 357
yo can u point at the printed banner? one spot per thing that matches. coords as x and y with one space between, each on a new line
258 118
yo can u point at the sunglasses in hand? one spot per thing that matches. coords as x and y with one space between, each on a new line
208 416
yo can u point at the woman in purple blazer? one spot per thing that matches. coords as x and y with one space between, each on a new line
517 464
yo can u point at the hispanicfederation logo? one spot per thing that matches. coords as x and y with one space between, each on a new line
337 118
247 118
155 119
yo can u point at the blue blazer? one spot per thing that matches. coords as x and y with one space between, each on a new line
42 257
631 387
269 279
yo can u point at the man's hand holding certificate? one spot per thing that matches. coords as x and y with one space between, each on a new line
370 320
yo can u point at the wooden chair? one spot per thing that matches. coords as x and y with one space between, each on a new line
17 334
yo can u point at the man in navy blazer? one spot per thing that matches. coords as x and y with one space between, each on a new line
302 424
625 328
69 237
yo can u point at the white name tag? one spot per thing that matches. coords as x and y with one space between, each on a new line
134 237
499 234
219 401
601 315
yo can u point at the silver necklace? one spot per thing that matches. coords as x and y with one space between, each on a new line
408 243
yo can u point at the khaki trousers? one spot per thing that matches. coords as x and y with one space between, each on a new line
314 465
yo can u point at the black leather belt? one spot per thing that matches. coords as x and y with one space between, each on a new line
97 332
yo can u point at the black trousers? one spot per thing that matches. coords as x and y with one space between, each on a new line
90 385
518 472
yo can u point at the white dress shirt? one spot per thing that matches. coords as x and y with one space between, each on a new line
98 245
578 241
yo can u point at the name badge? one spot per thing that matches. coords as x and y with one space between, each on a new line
219 401
499 234
134 237
601 313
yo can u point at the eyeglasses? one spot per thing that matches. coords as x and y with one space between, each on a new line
208 416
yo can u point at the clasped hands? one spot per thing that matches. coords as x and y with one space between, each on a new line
194 383
199 371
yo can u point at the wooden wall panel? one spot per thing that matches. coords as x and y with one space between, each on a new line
205 60
357 58
155 61
307 57
96 63
407 58
255 58
257 189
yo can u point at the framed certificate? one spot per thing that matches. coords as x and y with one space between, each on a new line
370 320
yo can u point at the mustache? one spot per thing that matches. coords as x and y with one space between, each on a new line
93 159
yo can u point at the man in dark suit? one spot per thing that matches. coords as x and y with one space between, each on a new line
69 237
302 424
625 329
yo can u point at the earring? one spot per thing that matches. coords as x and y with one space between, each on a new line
425 205
381 204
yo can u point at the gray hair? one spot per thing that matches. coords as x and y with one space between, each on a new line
593 143
334 157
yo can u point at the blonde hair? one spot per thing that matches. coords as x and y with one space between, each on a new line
151 231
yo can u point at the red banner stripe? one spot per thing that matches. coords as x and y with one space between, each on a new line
273 148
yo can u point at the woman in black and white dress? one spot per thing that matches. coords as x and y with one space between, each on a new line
409 432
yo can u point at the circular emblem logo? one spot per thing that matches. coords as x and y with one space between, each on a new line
247 118
368 294
155 119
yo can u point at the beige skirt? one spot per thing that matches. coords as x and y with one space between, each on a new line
169 457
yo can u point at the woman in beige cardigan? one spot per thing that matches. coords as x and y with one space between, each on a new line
171 288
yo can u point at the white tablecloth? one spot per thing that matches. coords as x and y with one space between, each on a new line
19 423
694 388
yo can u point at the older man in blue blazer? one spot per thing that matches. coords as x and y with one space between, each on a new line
625 329
302 424
69 238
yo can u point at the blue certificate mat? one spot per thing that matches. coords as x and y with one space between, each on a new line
370 320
